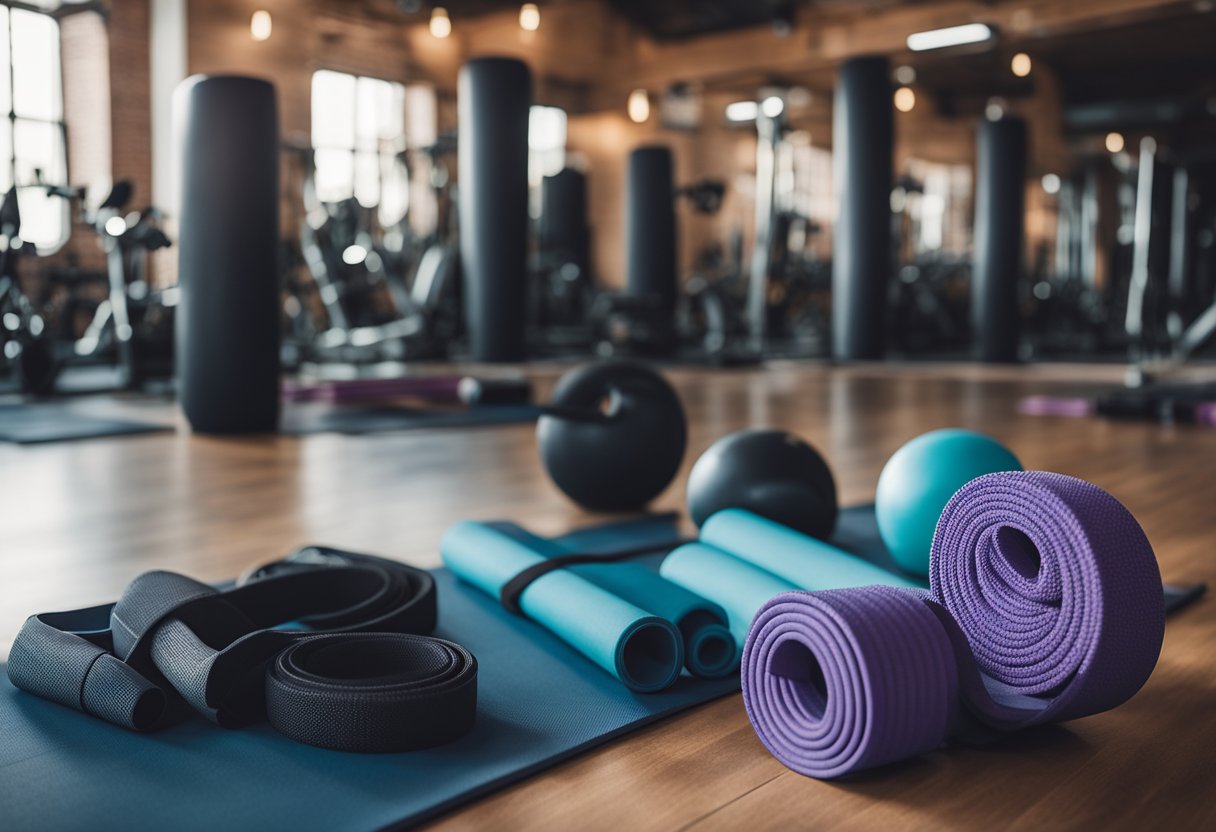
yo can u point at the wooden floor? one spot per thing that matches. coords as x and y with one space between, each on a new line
78 520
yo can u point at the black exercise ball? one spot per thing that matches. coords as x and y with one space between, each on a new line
629 445
768 472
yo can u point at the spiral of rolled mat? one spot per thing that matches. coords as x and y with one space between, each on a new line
1045 605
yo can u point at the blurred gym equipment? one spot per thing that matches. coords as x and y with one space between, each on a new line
28 352
133 325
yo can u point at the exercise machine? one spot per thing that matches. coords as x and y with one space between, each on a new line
25 343
1171 308
357 293
132 327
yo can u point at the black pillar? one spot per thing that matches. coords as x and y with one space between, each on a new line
228 317
493 98
650 237
563 217
862 137
999 240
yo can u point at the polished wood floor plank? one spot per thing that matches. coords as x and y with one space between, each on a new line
79 520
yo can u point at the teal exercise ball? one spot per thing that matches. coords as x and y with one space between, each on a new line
920 478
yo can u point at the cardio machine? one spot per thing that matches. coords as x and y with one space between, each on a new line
133 325
25 343
362 293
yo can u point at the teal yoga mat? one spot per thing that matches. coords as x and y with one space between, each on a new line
710 650
736 585
643 650
742 560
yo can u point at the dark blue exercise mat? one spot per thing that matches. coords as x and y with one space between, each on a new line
32 424
312 417
539 703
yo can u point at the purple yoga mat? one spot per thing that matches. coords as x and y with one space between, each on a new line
1045 605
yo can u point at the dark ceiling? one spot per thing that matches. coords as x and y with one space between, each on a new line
1170 62
675 19
661 19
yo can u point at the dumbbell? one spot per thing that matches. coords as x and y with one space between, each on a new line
777 475
613 436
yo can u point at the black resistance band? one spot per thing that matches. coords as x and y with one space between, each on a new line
330 646
513 588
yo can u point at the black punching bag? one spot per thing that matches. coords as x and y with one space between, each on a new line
999 209
862 137
492 100
563 217
228 315
650 231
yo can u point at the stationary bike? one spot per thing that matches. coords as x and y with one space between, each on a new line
134 323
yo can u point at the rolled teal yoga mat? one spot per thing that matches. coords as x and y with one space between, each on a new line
710 649
744 560
642 650
736 585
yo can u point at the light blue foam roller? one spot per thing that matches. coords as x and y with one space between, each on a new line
642 650
710 649
737 586
743 560
806 562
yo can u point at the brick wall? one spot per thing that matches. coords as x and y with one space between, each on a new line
130 97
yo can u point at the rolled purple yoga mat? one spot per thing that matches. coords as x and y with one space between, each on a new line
848 679
1057 591
1045 605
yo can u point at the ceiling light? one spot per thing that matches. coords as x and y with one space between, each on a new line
1051 183
638 106
529 17
742 111
952 36
905 99
441 24
1114 142
772 106
1020 65
260 25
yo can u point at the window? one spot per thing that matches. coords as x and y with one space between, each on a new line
358 130
32 136
546 142
546 149
942 211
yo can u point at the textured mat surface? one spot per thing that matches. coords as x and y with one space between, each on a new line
31 424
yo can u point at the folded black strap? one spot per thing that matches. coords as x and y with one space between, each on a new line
172 641
515 586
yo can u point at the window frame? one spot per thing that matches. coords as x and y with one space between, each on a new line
58 125
356 148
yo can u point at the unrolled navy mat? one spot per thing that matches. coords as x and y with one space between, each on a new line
31 424
540 702
318 417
